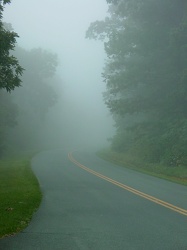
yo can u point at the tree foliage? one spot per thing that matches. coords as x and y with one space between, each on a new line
35 98
8 116
10 70
37 94
146 76
10 73
27 106
23 111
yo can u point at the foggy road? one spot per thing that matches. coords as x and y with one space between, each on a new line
89 203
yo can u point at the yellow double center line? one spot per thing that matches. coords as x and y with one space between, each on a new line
132 190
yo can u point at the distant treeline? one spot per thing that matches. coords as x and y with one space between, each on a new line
26 91
146 77
23 111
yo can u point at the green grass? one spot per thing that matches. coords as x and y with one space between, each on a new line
175 174
20 195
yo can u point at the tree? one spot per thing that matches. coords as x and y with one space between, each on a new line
37 95
8 116
35 98
145 74
10 77
10 70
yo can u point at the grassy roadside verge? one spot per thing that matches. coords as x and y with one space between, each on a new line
20 194
174 174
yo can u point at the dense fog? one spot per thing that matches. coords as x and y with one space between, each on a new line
96 70
78 117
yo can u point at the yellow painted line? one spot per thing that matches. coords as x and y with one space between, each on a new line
132 190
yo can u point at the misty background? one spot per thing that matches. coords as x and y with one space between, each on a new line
79 117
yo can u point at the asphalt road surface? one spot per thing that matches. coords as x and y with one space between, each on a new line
89 203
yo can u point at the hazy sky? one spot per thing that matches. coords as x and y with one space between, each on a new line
59 26
54 23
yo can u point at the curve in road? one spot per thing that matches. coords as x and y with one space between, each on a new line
80 211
